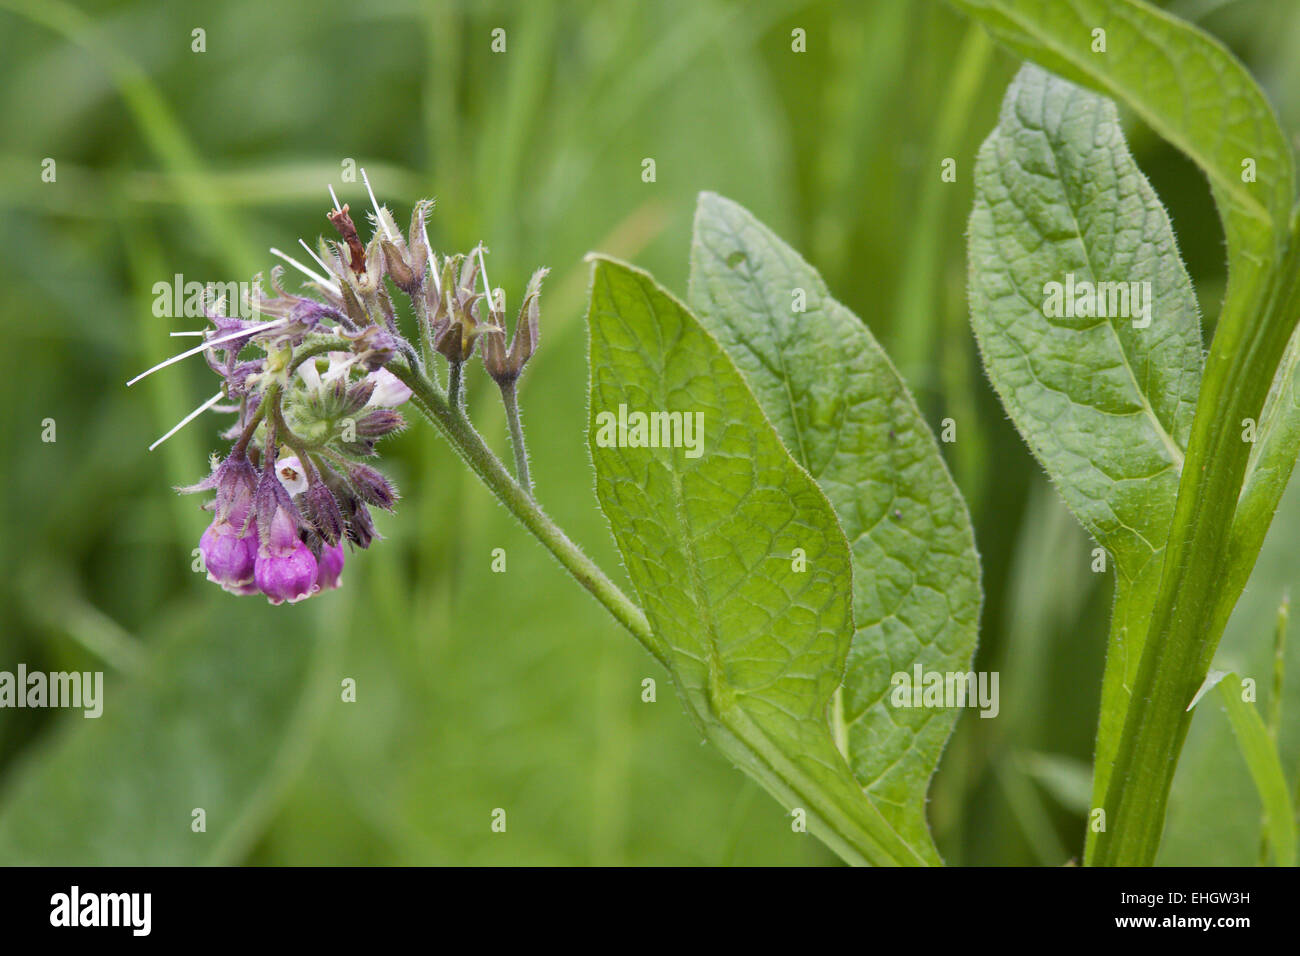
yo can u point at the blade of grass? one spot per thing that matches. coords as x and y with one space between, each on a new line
917 320
159 125
1261 757
1275 704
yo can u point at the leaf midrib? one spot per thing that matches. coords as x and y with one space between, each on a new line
779 324
716 674
1171 446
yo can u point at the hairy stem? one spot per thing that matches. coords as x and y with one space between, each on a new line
256 419
422 319
315 350
453 384
451 421
510 399
1197 586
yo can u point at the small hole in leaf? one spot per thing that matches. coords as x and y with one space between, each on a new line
735 259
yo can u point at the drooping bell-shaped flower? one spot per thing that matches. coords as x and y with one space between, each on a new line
228 556
285 568
229 545
330 567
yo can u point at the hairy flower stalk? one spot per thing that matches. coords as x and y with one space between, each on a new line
318 378
506 364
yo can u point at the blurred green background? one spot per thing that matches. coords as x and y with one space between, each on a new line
476 690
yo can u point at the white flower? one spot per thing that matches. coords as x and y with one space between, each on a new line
340 364
389 390
290 472
310 376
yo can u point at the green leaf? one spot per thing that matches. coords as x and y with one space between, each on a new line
710 539
1188 88
1104 404
217 725
1182 82
1260 754
1204 102
846 416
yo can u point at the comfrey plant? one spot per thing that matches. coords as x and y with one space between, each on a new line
737 548
803 565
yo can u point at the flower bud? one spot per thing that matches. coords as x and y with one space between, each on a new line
359 448
358 396
356 312
389 390
321 511
361 528
372 487
399 270
378 423
418 244
505 365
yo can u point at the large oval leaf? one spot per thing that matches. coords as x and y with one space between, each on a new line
1105 402
846 416
741 567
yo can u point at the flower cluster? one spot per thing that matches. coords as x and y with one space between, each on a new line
280 519
315 380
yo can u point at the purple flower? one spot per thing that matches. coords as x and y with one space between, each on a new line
293 488
235 482
329 567
285 568
229 545
229 555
